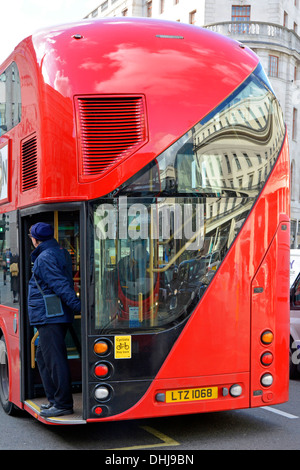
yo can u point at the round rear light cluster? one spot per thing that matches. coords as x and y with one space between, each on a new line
235 390
102 370
101 347
266 380
102 392
266 359
267 337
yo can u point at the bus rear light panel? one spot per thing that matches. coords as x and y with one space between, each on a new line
266 358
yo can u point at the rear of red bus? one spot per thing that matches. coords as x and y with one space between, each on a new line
209 212
173 141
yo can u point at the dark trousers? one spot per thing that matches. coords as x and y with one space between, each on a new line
51 356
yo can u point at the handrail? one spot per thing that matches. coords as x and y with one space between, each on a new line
33 350
176 256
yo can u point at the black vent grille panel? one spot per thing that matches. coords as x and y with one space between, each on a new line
110 129
29 163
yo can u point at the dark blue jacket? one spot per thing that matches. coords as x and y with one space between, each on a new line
53 274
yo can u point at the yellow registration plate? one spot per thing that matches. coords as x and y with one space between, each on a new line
191 394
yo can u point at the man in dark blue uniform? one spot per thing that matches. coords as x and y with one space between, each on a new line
51 275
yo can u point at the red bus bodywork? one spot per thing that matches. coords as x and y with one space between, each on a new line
181 73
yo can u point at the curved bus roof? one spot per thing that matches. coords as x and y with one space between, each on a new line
182 72
140 55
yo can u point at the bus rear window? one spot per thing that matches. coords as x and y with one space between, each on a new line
154 254
10 98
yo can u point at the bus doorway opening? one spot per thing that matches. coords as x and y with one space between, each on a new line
67 233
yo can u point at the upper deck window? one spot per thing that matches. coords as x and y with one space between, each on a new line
10 98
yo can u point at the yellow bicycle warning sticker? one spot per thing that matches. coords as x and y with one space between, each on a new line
122 347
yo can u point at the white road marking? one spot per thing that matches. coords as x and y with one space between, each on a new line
279 412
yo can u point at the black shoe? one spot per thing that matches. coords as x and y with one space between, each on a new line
53 412
46 406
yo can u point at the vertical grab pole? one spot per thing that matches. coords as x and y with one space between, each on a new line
56 225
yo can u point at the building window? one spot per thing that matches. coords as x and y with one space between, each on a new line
294 131
295 27
250 182
149 9
162 6
192 17
241 14
125 12
238 165
273 66
285 19
293 233
176 1
104 5
295 73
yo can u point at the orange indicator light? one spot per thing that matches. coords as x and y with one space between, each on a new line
101 347
267 337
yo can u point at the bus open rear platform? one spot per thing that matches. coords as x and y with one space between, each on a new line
75 418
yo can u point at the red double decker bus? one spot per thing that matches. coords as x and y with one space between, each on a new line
159 153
